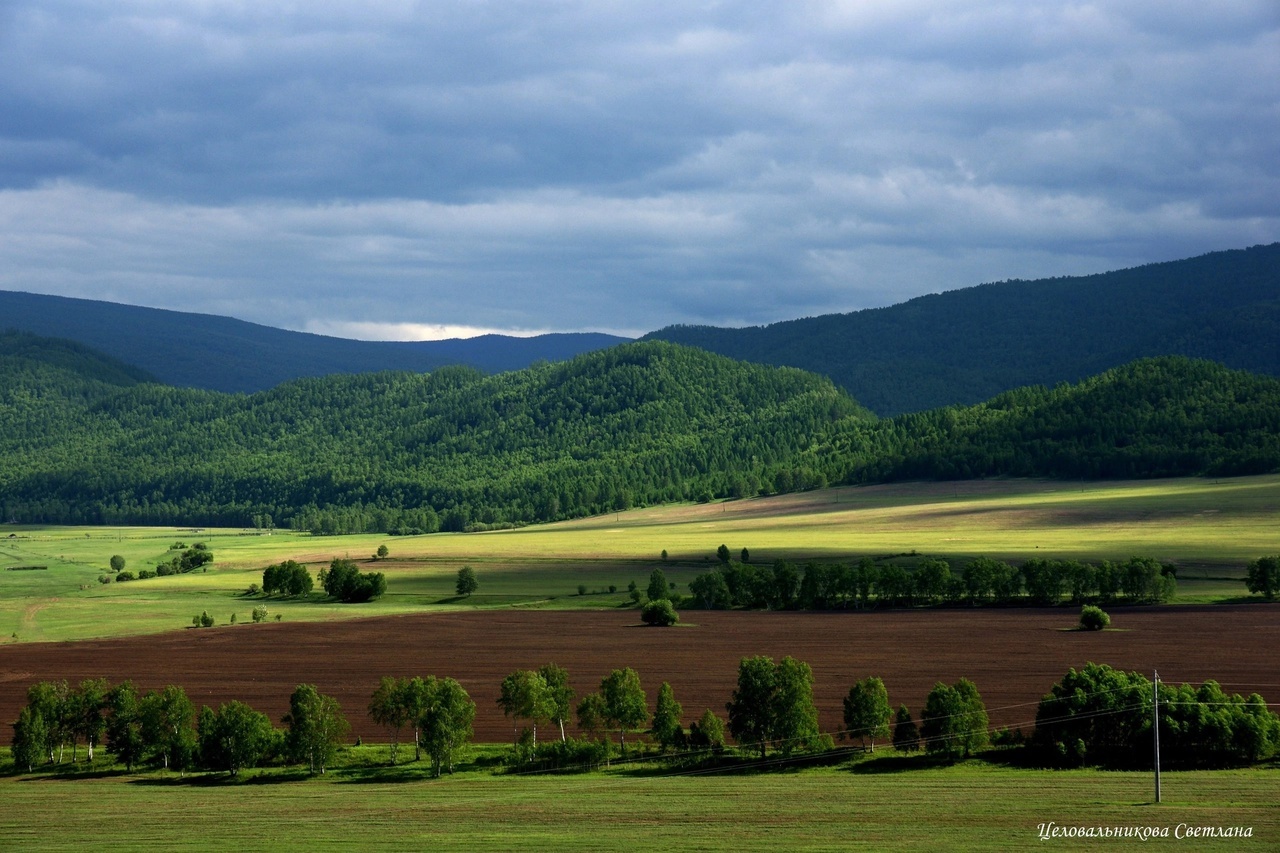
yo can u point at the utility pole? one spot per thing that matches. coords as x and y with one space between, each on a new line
1155 725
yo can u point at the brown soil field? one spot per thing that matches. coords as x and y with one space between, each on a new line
1014 656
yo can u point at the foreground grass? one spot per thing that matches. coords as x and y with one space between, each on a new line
883 804
1211 528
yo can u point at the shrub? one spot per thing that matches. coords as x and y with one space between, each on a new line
125 576
145 574
659 613
582 589
260 613
1093 618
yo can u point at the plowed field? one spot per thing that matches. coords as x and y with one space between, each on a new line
1013 656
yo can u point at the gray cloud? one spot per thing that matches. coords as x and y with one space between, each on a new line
583 165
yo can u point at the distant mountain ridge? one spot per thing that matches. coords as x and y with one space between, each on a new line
965 346
958 347
224 354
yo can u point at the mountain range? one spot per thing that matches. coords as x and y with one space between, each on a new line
958 347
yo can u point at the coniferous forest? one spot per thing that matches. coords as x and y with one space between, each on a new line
85 439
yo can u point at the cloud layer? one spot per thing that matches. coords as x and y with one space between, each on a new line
400 168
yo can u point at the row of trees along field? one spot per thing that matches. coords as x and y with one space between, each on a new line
1096 716
981 580
635 425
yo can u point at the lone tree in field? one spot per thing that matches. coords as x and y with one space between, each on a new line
467 582
1093 618
867 712
659 613
117 563
722 553
1264 577
316 728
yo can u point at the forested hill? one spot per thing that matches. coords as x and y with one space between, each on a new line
965 346
641 423
1159 417
637 424
53 361
223 354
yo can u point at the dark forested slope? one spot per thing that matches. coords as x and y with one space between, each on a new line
81 441
1160 417
968 345
640 423
223 354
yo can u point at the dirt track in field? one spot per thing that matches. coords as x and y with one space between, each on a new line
1014 656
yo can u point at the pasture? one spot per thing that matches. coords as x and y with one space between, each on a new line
876 805
1210 528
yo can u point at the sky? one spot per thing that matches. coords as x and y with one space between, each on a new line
417 170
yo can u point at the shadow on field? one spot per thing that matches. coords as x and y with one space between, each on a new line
387 774
891 763
726 766
205 780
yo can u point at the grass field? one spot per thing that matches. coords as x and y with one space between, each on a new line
1211 528
869 805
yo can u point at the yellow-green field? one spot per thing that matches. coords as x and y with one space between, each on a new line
1210 528
973 806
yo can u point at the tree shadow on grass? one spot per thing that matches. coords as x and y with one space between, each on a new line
727 765
894 763
217 779
384 774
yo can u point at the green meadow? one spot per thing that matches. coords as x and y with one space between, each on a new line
1210 528
885 804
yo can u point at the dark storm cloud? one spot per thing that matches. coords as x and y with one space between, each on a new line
611 165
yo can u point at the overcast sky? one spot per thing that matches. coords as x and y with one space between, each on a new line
412 170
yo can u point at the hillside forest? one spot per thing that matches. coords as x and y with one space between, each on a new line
85 439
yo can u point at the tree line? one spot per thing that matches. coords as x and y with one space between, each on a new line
979 581
1094 716
635 425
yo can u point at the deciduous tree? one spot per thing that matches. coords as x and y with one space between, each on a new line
467 582
316 727
1263 577
906 735
446 721
625 705
867 711
667 730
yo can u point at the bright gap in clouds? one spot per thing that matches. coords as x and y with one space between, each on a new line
373 331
